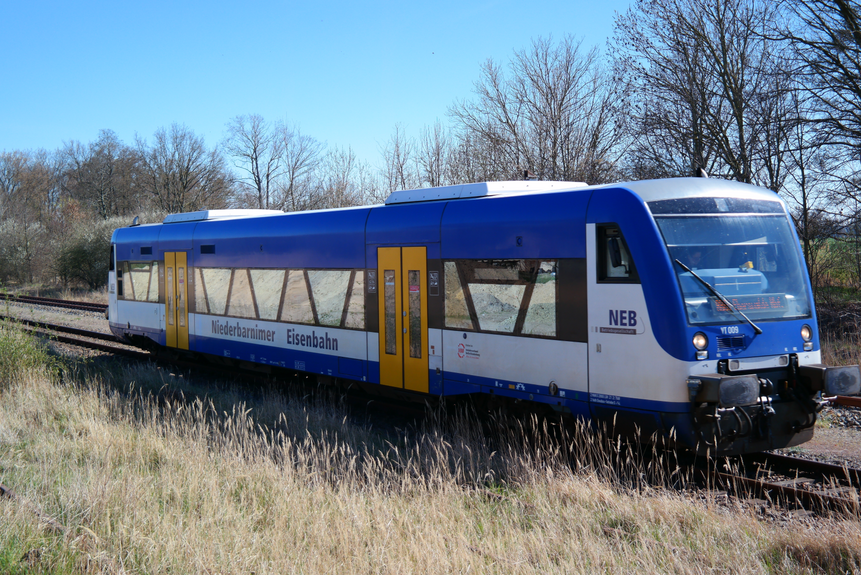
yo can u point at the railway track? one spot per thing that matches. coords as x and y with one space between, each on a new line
53 302
787 481
79 337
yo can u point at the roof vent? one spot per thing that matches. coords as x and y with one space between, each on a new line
207 215
478 190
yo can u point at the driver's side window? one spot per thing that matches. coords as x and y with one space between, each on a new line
615 264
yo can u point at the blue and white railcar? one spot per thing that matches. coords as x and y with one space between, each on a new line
678 307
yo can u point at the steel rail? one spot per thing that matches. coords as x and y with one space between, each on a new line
837 485
845 400
53 302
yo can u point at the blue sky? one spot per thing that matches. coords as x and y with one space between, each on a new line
345 72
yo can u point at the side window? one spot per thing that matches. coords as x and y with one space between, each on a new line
155 284
457 315
329 290
120 293
267 291
211 290
138 281
355 316
541 313
516 297
297 300
241 300
615 264
315 297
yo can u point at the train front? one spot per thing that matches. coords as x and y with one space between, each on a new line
755 378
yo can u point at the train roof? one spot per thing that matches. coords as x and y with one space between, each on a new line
677 188
478 190
648 190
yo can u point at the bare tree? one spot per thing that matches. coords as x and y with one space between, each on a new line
806 184
29 198
339 186
826 36
399 168
181 174
302 156
103 175
434 156
474 158
257 148
823 255
12 167
554 115
699 73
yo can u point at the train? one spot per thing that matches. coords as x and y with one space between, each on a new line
675 310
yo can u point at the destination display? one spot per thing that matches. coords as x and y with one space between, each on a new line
751 303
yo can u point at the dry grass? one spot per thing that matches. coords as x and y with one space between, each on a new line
845 350
153 483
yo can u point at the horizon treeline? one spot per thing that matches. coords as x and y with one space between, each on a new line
757 92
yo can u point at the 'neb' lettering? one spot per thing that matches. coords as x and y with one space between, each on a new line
623 317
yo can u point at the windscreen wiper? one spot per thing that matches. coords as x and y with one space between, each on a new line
725 301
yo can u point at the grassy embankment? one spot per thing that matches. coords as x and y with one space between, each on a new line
115 471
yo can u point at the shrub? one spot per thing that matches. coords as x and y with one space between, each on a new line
20 353
84 257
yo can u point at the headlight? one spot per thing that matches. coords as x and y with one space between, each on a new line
700 341
806 333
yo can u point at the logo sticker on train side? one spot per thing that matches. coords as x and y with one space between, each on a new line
622 321
467 350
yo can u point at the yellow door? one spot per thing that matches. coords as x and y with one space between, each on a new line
176 289
403 317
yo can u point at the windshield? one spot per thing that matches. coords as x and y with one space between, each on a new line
750 258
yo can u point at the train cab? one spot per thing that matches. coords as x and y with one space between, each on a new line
733 361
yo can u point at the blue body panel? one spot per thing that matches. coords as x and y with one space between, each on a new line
176 237
546 225
326 239
128 242
405 225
